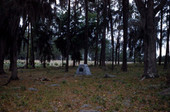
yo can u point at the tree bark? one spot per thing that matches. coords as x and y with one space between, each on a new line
27 56
86 33
167 45
161 38
97 33
117 47
125 4
2 55
103 47
74 62
32 50
44 61
118 54
14 75
68 38
11 59
148 13
150 70
167 51
62 61
112 38
134 60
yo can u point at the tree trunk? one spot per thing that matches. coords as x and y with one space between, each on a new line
112 38
161 38
103 47
44 61
101 56
150 70
11 59
118 54
75 25
125 4
2 55
86 33
117 47
148 13
74 62
167 51
62 61
14 75
68 38
167 46
134 60
27 56
32 50
97 33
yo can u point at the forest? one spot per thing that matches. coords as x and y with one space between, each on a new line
125 44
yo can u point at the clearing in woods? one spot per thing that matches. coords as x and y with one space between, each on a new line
53 90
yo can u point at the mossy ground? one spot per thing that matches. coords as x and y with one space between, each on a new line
125 93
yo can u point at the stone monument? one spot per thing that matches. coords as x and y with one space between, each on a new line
83 69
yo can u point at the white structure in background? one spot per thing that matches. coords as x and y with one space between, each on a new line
83 69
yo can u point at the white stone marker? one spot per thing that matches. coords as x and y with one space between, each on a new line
83 69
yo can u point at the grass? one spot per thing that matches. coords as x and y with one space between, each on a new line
124 93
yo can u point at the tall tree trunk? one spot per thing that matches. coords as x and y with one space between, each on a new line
62 61
2 55
118 54
68 38
11 59
97 33
32 50
75 16
134 60
44 61
161 38
125 4
75 26
150 70
167 45
86 33
117 51
148 13
167 51
27 56
103 47
14 35
14 75
118 46
74 62
100 56
112 38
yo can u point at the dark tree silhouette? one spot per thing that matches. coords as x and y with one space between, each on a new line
161 38
111 28
148 11
68 38
125 4
166 61
103 41
97 35
86 33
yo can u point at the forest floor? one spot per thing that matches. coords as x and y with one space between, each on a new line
53 90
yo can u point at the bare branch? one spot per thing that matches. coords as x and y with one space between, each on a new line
141 6
160 6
